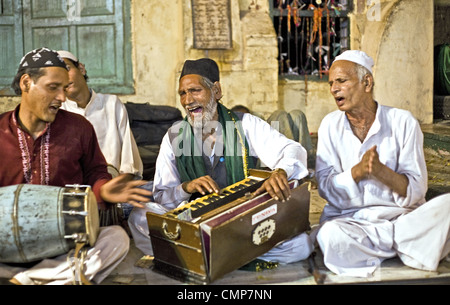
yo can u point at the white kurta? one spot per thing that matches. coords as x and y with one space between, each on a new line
270 146
109 117
366 222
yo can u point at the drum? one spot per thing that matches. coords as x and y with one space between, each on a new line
40 221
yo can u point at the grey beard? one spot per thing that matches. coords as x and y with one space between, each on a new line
207 116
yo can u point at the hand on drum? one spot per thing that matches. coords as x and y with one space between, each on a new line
123 189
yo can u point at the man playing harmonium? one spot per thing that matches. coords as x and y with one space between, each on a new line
218 146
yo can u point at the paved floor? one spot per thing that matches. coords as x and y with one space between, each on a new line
437 156
391 271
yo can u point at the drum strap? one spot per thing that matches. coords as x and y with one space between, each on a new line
77 264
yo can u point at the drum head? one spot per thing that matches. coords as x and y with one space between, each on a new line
80 214
92 222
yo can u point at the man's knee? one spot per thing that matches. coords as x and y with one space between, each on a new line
115 237
328 232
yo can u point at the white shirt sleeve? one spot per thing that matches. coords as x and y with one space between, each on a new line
334 177
411 163
130 159
110 119
167 188
273 148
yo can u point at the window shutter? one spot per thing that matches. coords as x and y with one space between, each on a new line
11 43
96 31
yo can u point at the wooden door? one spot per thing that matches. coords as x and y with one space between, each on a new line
96 31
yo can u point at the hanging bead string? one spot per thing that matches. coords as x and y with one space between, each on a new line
280 38
244 150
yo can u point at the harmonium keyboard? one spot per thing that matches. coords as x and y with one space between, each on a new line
213 235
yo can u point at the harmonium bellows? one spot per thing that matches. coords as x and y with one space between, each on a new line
215 234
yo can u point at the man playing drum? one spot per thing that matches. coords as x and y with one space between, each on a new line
48 146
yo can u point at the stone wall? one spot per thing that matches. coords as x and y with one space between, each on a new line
397 34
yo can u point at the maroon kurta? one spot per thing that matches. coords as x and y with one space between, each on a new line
69 146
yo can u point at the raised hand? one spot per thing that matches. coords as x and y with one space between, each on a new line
123 189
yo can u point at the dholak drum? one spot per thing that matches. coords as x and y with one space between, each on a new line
39 221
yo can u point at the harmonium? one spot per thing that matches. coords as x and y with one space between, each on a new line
213 235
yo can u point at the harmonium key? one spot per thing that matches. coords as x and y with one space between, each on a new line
209 202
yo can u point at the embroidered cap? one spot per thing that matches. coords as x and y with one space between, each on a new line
358 57
42 58
204 66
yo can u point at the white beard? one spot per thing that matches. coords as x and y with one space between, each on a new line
208 114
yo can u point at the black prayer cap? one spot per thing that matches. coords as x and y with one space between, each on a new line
42 58
204 66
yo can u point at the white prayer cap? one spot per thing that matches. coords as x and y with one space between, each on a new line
67 54
358 57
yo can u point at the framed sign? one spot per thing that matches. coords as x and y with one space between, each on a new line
211 20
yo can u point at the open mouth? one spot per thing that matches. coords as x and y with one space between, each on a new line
339 100
54 108
195 110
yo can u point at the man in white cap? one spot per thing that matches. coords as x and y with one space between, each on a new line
109 117
371 169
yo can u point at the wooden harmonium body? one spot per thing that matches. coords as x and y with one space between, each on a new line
208 237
